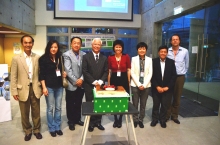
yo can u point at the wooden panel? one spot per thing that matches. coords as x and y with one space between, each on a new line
2 57
8 49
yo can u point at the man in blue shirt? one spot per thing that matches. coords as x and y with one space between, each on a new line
181 57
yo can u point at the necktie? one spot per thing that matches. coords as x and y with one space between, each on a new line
96 58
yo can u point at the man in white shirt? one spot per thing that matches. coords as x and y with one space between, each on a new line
26 88
162 84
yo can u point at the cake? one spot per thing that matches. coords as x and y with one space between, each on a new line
110 91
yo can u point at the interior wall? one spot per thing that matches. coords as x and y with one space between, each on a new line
2 57
18 14
8 49
40 40
45 18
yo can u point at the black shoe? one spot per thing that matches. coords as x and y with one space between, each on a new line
28 137
153 123
71 126
53 134
176 121
38 135
59 132
80 123
115 124
99 126
119 123
91 128
163 124
135 124
141 125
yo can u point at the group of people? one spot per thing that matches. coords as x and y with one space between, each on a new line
32 76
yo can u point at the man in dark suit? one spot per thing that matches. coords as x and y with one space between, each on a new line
95 72
162 82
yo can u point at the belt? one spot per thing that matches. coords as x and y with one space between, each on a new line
180 75
30 84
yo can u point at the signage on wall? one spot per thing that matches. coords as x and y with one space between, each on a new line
178 10
17 48
107 40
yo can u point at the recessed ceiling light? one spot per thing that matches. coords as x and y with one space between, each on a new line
9 32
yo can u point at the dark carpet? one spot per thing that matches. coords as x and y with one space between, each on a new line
188 108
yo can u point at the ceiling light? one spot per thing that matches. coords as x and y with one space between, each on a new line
9 32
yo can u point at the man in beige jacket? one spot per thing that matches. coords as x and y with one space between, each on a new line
26 88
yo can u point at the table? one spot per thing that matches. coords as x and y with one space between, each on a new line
87 111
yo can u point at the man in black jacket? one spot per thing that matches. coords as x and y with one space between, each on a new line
162 82
95 72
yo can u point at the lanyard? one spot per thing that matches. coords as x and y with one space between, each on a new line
118 60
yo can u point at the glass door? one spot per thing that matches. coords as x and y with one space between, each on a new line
200 34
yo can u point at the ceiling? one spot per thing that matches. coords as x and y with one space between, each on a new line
6 31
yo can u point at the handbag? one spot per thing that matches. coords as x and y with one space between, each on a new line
64 80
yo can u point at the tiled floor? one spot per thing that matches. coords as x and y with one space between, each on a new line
191 131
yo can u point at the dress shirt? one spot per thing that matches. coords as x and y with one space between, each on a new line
142 63
100 82
29 64
162 65
181 60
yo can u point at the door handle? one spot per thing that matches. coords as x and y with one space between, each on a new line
197 57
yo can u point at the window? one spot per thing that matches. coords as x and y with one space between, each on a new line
63 41
108 35
81 30
104 31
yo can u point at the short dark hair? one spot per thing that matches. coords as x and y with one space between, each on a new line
175 35
77 38
27 36
141 44
118 42
48 47
163 47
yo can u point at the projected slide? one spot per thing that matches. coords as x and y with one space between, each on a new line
115 6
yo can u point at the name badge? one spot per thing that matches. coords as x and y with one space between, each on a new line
29 75
58 73
118 73
142 74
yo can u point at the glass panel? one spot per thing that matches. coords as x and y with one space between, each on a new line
200 34
81 30
136 6
130 46
50 5
63 41
104 31
128 31
57 30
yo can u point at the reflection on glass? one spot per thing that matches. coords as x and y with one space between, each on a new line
128 31
136 6
104 31
130 46
63 41
81 30
50 5
57 30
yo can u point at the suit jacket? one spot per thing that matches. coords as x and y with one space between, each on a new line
94 71
135 72
19 77
169 75
73 68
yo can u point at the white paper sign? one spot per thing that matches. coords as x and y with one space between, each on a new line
194 49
